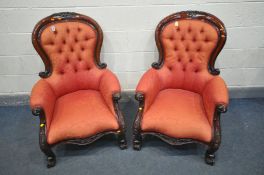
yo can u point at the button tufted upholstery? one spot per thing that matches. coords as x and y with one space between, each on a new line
181 94
70 47
76 96
187 49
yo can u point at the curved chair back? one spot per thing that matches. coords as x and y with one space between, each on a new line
188 43
69 45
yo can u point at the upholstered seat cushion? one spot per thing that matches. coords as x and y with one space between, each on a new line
178 113
79 115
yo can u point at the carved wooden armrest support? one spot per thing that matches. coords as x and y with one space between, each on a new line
221 108
137 137
216 140
38 111
140 97
116 97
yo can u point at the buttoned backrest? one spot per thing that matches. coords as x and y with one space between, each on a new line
187 45
69 46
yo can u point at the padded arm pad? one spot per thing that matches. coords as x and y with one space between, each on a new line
109 85
214 93
43 96
150 86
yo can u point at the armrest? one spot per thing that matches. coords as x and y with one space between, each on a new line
149 85
214 94
108 86
43 97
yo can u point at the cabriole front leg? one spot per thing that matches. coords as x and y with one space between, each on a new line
137 141
137 138
210 155
216 141
44 146
122 140
121 136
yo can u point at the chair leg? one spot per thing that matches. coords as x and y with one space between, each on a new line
137 137
122 140
210 157
215 144
51 158
137 142
46 148
210 154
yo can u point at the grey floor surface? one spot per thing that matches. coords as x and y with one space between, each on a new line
241 152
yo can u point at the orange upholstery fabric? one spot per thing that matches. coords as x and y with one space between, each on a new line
43 93
178 113
214 93
79 115
181 96
70 47
150 84
43 96
109 85
77 96
187 49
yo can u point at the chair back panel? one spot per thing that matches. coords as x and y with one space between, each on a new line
69 45
188 47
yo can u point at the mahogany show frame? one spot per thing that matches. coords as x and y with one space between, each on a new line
213 146
40 26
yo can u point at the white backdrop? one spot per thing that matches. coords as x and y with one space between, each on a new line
129 46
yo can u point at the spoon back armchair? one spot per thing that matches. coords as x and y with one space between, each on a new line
181 97
77 97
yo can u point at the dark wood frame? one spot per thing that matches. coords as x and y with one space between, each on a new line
213 146
39 111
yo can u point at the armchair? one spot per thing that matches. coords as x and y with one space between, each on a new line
76 98
181 97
